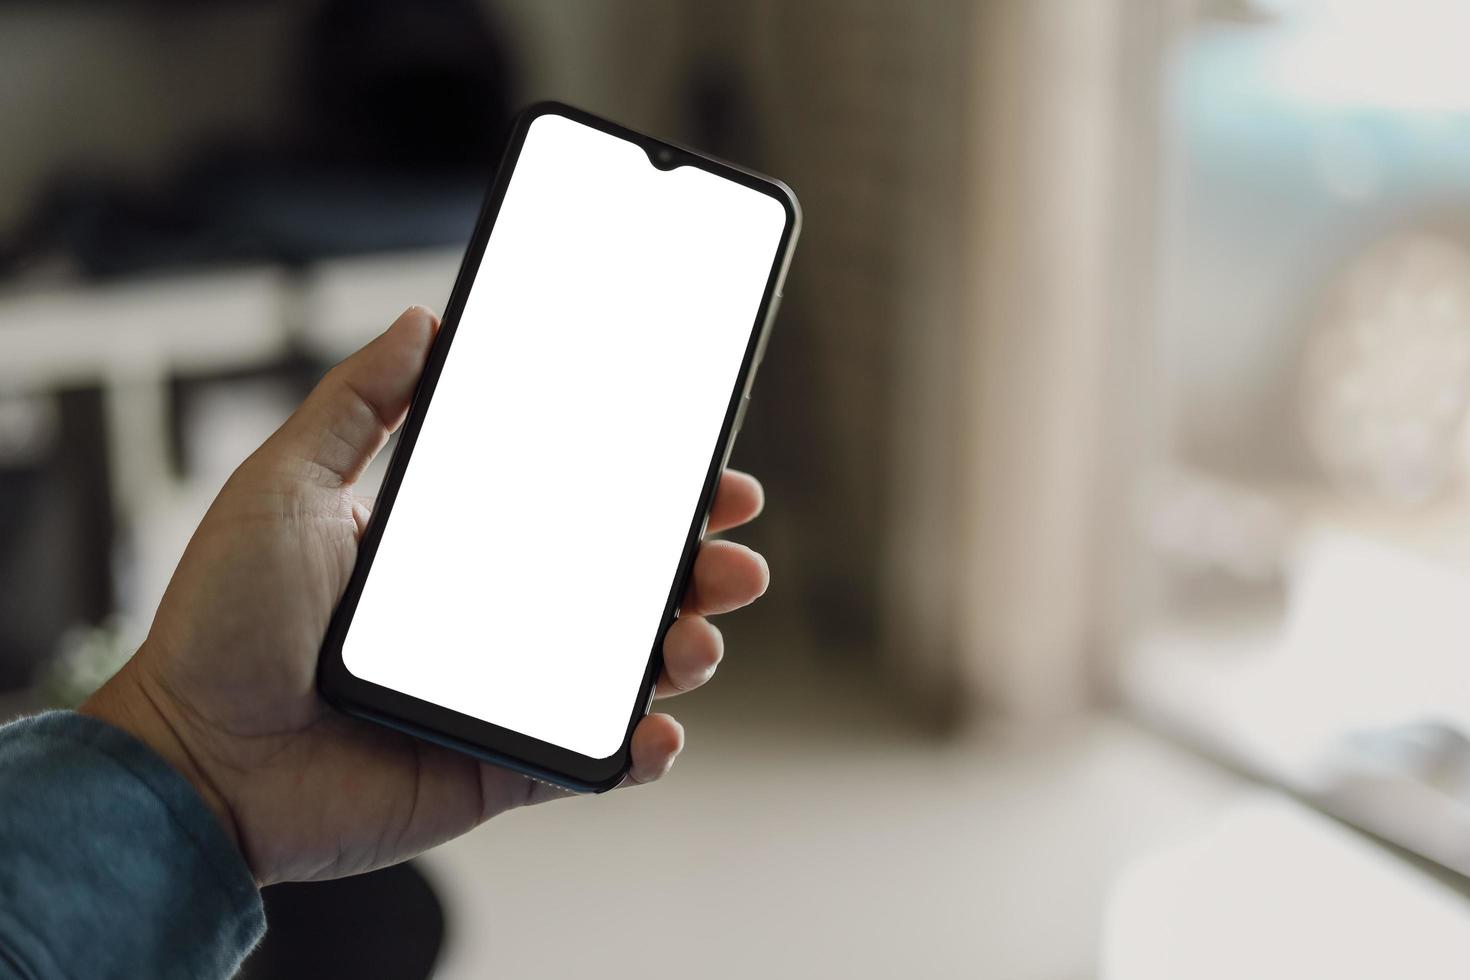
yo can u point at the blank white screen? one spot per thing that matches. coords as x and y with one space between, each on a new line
524 571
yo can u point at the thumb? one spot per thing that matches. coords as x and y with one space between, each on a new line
351 412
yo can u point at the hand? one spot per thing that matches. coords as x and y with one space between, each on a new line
224 686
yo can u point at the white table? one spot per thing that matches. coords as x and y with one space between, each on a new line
131 339
1275 890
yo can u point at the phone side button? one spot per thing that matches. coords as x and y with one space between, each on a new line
740 414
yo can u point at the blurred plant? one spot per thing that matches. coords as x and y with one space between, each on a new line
1386 377
86 657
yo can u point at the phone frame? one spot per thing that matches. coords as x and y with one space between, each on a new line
485 740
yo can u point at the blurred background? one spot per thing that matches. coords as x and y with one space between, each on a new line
1114 432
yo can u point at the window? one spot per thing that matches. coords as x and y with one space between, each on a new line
1307 513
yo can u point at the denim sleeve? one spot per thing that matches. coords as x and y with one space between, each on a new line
110 863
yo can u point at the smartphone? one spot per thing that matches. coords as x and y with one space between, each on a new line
538 522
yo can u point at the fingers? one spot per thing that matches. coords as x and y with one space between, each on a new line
349 415
726 576
657 741
738 500
693 649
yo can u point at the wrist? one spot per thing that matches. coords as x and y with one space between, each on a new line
126 703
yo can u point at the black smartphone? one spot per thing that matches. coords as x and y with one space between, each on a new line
539 519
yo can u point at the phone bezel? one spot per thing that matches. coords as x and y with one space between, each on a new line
485 740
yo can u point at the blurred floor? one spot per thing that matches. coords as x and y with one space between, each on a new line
808 832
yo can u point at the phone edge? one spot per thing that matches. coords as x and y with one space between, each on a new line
335 682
